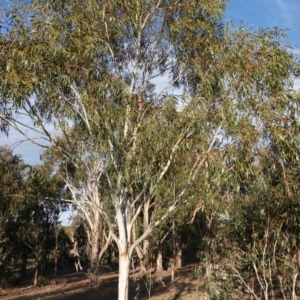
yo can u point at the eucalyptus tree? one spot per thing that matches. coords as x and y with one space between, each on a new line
27 216
254 245
77 177
39 216
11 192
123 91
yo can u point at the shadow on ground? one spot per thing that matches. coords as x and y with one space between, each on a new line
76 286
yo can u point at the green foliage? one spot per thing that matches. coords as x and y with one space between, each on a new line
254 245
27 215
11 188
65 244
148 280
41 281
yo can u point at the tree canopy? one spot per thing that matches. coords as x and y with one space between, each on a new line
142 101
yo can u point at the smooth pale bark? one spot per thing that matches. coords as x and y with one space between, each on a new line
94 256
105 247
208 270
146 218
146 248
141 257
74 252
178 258
159 261
123 243
124 263
36 271
295 276
173 260
143 252
139 250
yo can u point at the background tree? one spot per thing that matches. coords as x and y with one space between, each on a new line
251 243
41 212
11 193
28 214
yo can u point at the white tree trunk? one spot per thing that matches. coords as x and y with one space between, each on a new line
36 273
124 263
146 219
159 261
178 259
123 246
141 259
94 261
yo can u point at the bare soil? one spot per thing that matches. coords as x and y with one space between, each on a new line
76 286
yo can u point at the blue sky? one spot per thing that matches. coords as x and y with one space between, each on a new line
267 13
254 13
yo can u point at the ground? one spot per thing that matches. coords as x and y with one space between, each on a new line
76 286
